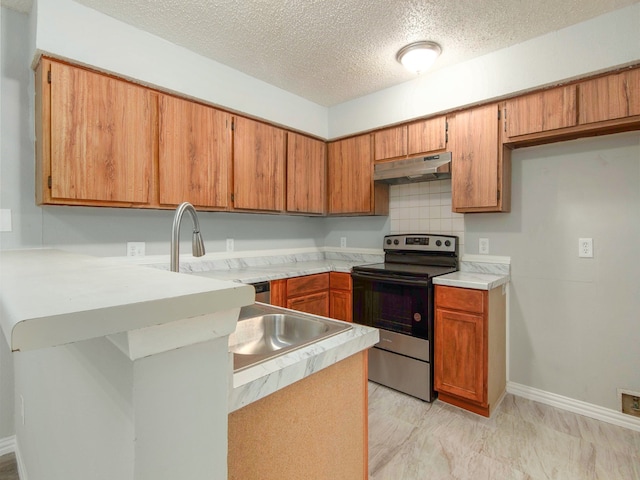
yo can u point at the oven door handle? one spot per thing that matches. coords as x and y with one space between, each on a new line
389 278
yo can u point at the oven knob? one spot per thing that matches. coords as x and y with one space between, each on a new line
438 243
388 241
447 243
396 242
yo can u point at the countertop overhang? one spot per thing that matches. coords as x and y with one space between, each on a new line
50 297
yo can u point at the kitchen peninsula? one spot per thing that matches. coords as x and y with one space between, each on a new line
124 362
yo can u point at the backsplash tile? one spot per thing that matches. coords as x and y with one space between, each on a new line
424 208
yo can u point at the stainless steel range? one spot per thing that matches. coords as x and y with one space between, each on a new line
397 297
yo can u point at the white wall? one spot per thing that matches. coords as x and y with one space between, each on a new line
573 321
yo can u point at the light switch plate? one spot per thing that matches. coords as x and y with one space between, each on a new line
230 245
5 220
343 242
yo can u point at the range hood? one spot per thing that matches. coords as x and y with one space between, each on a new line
413 170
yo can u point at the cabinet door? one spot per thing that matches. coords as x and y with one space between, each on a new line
350 178
194 153
306 174
340 296
315 303
610 97
258 166
427 136
390 143
480 174
340 305
541 112
101 137
459 356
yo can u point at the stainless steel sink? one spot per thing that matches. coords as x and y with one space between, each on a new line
265 332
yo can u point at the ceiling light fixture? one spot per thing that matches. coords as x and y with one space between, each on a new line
418 56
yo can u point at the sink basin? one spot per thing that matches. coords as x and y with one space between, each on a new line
264 332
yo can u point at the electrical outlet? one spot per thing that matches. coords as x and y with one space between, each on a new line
230 245
343 242
483 246
135 249
585 247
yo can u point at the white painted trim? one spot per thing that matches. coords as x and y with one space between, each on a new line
22 469
467 257
7 445
576 406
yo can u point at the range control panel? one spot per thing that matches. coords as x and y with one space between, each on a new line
421 242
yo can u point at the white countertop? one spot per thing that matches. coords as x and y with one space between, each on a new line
477 281
50 297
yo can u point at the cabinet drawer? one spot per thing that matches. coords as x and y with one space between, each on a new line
307 284
464 299
340 281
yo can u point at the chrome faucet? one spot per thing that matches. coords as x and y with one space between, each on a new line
197 244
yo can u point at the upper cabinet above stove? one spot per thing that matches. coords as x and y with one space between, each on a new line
413 139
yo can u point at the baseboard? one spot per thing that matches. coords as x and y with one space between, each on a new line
7 445
22 469
575 406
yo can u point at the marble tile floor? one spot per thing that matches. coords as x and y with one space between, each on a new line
8 467
413 440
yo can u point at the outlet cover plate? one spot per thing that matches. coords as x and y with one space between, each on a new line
585 247
135 249
483 246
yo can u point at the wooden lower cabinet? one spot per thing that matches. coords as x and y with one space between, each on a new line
316 428
340 296
325 294
470 347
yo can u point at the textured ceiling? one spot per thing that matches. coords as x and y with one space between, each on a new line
331 51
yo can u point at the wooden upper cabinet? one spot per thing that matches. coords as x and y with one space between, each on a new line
541 111
350 175
259 153
413 139
427 136
480 167
390 143
609 97
306 174
194 153
96 138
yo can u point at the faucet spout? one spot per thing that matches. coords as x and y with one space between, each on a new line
197 243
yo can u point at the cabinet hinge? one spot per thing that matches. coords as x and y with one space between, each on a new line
49 76
505 119
233 127
446 137
498 195
498 114
49 181
446 126
233 197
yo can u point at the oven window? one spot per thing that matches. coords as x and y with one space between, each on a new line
393 307
390 306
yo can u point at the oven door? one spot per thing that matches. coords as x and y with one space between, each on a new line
395 303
